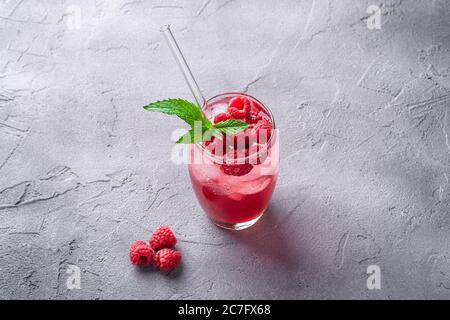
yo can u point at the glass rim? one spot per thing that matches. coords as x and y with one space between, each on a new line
254 154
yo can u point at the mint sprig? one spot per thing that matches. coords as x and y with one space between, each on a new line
201 128
230 126
183 109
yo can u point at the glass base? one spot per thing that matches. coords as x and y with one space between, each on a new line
237 226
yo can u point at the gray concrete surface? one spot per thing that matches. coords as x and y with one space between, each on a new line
364 119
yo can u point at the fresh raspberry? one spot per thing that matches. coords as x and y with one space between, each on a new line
163 237
222 117
236 113
141 254
254 116
167 259
238 107
236 169
236 102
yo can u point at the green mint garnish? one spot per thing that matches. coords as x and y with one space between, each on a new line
201 128
231 126
183 109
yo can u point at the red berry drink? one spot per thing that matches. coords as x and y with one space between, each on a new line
234 176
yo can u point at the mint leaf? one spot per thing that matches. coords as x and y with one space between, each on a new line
189 138
185 110
193 115
194 137
231 126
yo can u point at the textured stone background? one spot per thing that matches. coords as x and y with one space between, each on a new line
365 124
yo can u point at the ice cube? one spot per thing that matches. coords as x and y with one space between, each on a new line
254 186
236 196
215 189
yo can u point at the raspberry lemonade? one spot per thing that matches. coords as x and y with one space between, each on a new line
236 176
233 154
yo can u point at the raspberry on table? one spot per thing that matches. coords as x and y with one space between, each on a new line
167 259
163 237
141 254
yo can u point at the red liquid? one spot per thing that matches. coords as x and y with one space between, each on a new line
235 194
235 207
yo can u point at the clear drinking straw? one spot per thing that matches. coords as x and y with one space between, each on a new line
181 61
